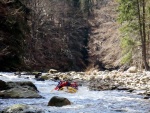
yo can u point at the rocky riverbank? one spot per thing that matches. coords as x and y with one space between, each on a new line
94 80
138 82
131 80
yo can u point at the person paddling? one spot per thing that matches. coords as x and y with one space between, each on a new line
74 85
62 84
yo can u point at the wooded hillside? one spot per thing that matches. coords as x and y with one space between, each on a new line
13 32
70 35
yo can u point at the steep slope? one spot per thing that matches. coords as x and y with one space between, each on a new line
65 35
58 37
104 48
12 33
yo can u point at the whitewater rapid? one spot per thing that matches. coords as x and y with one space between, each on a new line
84 101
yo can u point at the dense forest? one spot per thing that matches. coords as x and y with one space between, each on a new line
13 32
55 36
74 34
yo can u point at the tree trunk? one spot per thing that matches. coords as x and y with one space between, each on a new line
142 32
144 40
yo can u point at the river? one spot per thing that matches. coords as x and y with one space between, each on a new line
84 101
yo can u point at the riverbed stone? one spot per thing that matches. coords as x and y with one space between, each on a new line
135 81
102 84
52 71
58 101
132 69
21 108
3 85
45 77
19 93
25 89
23 84
146 97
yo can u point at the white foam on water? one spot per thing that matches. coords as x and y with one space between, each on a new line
84 101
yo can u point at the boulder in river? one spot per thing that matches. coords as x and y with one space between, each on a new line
21 108
3 85
23 84
25 89
58 101
52 71
100 84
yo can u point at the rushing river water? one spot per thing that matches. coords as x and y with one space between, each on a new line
84 101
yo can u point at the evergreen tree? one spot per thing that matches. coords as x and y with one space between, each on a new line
133 17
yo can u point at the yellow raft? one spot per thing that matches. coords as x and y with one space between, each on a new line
68 89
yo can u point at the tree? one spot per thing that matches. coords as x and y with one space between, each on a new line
133 17
59 34
13 31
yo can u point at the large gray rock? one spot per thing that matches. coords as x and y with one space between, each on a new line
58 101
20 90
100 84
3 85
25 84
19 93
52 71
20 108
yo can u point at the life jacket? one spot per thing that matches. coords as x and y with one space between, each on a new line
66 83
59 84
62 84
74 85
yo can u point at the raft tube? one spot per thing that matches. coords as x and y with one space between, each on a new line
68 89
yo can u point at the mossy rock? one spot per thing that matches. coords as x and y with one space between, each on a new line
15 108
24 89
26 84
19 93
45 77
21 108
58 101
52 71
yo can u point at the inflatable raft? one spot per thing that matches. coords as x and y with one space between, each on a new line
68 89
